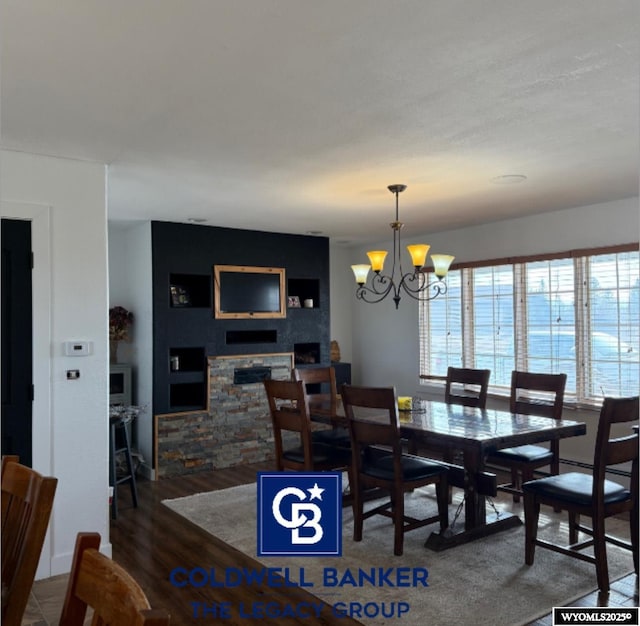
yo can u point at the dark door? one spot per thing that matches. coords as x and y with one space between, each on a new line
17 359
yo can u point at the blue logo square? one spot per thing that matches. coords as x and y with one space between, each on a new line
299 514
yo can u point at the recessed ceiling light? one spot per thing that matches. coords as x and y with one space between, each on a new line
508 179
196 220
314 232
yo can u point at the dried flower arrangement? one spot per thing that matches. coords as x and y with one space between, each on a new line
119 321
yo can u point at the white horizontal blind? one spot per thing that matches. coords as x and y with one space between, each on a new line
440 324
613 344
493 322
550 337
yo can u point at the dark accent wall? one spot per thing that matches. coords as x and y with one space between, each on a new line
190 332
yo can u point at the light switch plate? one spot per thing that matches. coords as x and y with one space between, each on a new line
78 348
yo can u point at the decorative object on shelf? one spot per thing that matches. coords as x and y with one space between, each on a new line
119 322
180 296
335 351
415 283
308 303
293 302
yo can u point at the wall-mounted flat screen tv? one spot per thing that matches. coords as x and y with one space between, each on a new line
243 291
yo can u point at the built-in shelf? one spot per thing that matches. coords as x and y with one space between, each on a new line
305 289
187 360
189 291
306 353
187 396
187 378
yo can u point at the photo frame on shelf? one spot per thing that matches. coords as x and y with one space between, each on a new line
180 296
293 302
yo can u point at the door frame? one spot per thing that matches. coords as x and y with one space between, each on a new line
42 420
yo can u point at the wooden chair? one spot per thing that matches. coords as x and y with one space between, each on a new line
591 495
378 462
27 500
289 409
9 458
467 386
543 396
101 584
320 385
464 386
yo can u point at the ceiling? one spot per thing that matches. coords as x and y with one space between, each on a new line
294 116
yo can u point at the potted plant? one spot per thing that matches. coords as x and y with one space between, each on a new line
119 322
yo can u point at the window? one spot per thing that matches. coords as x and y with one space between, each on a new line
577 313
441 329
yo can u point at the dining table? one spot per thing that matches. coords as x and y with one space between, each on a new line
473 433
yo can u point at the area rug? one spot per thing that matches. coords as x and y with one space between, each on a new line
484 582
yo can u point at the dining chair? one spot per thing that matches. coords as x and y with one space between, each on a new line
99 583
591 495
27 500
467 386
379 462
8 458
531 394
464 386
294 447
320 385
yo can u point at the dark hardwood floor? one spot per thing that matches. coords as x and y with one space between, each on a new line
149 541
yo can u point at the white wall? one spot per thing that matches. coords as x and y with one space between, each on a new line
130 286
384 340
341 290
66 201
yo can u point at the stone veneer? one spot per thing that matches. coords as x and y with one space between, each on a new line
235 430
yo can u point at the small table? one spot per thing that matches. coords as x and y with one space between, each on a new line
476 433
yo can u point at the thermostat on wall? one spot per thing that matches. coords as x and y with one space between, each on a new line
78 348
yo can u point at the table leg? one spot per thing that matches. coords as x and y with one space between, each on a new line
476 523
475 512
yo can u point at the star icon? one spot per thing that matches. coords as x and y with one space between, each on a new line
316 492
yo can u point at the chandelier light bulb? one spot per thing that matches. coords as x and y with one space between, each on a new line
377 258
361 272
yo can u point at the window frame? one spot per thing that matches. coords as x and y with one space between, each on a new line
582 395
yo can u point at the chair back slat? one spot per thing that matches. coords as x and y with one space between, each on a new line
544 394
289 410
613 451
467 387
325 379
361 404
27 501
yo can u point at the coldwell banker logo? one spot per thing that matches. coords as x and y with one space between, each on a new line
299 514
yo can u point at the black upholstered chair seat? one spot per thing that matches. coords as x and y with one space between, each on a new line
575 488
413 468
523 454
332 436
321 455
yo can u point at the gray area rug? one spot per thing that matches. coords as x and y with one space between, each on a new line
481 583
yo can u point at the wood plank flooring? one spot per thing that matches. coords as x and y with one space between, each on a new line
149 541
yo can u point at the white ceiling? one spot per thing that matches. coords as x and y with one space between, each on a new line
295 115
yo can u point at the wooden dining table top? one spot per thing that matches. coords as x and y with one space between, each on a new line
464 427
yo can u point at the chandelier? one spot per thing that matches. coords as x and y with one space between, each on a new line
414 283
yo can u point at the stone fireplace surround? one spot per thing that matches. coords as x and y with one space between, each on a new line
236 427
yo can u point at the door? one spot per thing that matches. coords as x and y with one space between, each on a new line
17 340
